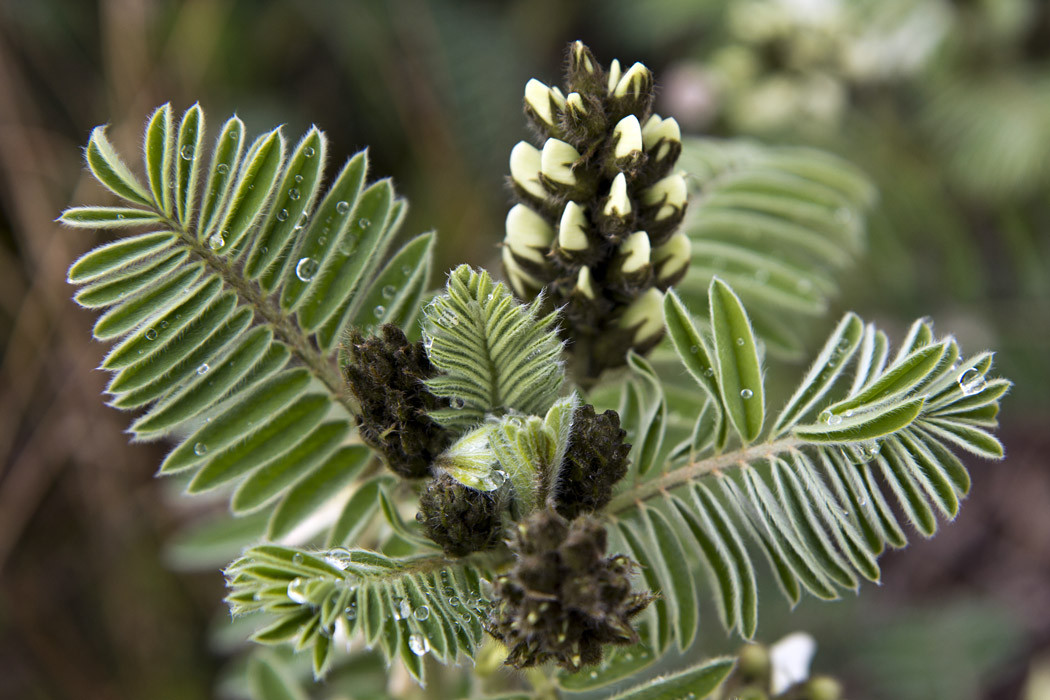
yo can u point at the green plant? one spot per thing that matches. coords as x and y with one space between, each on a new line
570 513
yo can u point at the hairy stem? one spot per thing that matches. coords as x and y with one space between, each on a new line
695 470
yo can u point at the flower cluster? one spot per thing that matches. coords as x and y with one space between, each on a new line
598 208
564 599
385 373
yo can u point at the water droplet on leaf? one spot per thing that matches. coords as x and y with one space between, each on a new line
746 394
187 152
295 591
282 215
379 311
342 207
418 644
972 382
422 613
389 291
203 369
305 269
200 449
222 168
151 334
293 194
309 151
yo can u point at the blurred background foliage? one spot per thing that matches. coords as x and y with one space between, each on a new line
946 105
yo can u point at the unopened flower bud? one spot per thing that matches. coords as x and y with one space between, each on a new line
584 73
628 137
542 105
633 93
528 233
614 75
585 283
583 120
572 229
645 316
665 204
631 271
556 162
525 285
525 171
635 252
662 139
618 204
671 260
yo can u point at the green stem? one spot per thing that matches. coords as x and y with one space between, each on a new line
695 470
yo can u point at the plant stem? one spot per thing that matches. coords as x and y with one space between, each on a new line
695 470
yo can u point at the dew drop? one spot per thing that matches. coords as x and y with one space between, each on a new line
302 221
694 349
363 223
406 269
709 372
282 215
342 207
422 613
404 609
453 601
163 324
295 590
972 382
418 644
305 269
457 403
298 177
293 194
389 291
200 449
829 418
379 311
862 453
151 334
120 217
187 152
216 241
297 558
740 342
203 369
746 394
351 612
309 151
233 136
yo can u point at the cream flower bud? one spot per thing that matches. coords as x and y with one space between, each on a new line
671 259
528 233
660 134
635 251
628 138
572 229
525 169
581 59
574 105
646 315
638 80
524 285
556 162
618 204
614 74
538 97
669 194
585 282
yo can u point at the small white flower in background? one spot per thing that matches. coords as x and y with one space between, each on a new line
790 658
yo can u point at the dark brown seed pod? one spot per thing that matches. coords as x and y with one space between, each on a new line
385 373
594 461
460 519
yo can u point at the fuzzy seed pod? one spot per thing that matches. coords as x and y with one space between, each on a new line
563 600
386 375
601 176
594 461
460 519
